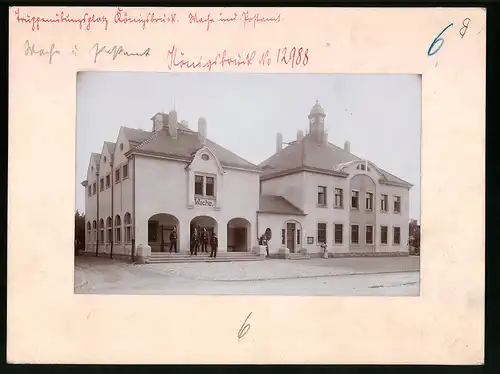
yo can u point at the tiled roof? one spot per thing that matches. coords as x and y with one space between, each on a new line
186 144
307 153
136 135
277 205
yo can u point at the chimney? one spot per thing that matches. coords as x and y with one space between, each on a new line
300 135
202 129
347 146
279 142
172 124
158 122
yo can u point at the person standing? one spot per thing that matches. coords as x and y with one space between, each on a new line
173 240
205 241
214 245
194 243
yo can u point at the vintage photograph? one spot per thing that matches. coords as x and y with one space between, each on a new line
247 184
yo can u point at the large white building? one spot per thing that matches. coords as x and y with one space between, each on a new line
309 192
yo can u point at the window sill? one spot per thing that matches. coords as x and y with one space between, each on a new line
125 177
338 207
384 211
338 244
384 244
321 206
204 197
352 208
399 213
356 244
368 210
118 181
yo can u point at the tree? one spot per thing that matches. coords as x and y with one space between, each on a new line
79 231
414 232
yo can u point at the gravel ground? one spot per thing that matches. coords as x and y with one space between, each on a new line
336 277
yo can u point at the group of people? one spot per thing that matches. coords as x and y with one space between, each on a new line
200 241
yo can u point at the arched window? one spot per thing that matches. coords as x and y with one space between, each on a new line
118 229
89 232
94 231
101 230
128 230
109 229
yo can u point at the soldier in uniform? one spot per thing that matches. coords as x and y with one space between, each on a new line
204 241
173 240
214 244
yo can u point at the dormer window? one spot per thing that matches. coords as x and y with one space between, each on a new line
104 159
204 186
121 146
363 167
205 157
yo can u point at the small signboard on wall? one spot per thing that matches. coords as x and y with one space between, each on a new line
310 240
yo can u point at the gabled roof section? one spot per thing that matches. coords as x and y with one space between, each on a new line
307 154
186 145
111 147
278 205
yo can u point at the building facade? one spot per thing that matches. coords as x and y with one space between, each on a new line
148 183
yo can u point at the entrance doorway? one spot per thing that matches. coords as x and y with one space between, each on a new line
159 228
203 222
290 236
238 235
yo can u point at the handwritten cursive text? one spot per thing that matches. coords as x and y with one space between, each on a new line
122 17
245 327
176 59
116 51
30 50
86 21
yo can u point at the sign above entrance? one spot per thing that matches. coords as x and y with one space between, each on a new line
203 202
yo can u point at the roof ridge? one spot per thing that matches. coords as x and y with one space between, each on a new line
150 139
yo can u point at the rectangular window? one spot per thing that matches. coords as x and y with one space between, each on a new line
397 204
118 237
109 234
321 233
369 234
383 234
94 188
117 175
152 231
355 199
369 201
101 184
108 180
383 202
90 191
283 233
209 186
298 236
354 234
321 195
198 185
339 198
125 171
397 235
338 233
127 234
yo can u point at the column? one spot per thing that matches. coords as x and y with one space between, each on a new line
184 235
222 235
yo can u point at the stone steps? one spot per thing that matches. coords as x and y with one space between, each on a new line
165 257
298 256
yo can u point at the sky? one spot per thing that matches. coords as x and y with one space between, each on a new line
380 115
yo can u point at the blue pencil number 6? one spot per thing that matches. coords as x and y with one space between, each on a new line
438 38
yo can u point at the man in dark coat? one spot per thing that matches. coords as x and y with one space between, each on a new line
173 240
194 243
205 241
214 244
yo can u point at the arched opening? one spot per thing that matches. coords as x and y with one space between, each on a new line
238 235
118 229
128 227
109 230
160 229
101 231
291 235
94 232
204 227
89 232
